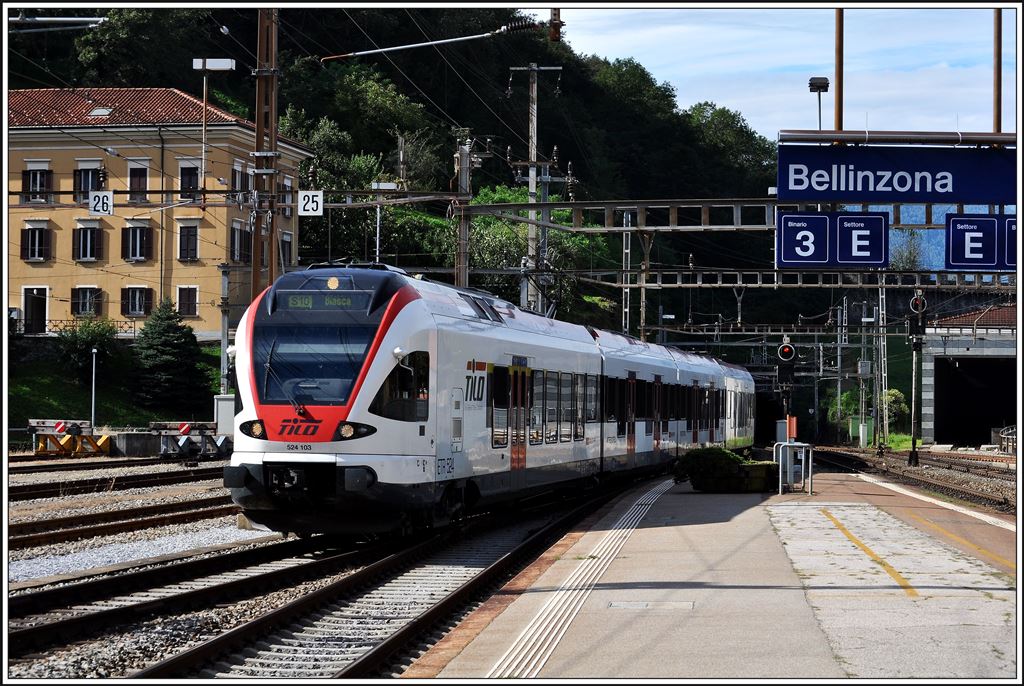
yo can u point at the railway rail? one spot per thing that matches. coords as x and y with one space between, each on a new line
61 488
47 617
79 464
28 534
355 626
911 475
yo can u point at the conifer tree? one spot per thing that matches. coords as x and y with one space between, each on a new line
168 355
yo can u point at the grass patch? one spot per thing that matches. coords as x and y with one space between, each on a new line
41 389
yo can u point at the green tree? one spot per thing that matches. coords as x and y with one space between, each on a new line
895 404
76 346
168 364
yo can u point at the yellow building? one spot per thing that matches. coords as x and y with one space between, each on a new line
162 239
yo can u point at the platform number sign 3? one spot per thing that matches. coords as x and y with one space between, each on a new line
311 203
101 203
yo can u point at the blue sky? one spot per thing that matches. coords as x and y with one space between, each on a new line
916 68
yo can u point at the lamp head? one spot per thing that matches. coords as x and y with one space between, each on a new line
818 84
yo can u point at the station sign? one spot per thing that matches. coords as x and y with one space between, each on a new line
860 174
832 240
981 241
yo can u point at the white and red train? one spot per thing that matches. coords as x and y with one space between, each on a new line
371 400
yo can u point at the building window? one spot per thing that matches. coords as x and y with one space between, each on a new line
136 243
188 242
36 185
138 184
136 301
286 199
35 244
240 184
241 244
286 248
87 244
86 302
189 182
188 301
86 180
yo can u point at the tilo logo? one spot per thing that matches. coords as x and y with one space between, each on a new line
299 427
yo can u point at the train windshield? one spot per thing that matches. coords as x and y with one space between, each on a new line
314 364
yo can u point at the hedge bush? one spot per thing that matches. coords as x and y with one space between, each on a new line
717 470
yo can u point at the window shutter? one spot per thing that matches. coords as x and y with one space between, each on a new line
25 181
76 300
147 243
79 190
147 306
97 243
125 237
26 236
48 180
124 302
44 243
76 244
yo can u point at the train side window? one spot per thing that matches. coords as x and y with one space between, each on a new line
498 400
537 408
565 407
578 388
551 408
590 406
404 395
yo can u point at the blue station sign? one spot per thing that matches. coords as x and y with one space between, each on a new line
986 242
832 240
861 174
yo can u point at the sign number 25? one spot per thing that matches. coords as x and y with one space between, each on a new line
311 203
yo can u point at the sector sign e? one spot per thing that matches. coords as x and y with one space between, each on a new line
987 242
832 240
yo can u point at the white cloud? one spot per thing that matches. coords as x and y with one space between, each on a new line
906 69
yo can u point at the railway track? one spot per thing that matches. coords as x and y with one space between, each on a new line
60 488
79 464
354 627
28 534
52 616
912 476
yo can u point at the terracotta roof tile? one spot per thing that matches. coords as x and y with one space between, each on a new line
999 316
43 107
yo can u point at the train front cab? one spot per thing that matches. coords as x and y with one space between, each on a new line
335 432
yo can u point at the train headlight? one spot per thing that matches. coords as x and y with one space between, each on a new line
253 429
348 430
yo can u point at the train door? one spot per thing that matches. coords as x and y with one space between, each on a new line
456 402
657 409
694 410
712 412
631 417
518 413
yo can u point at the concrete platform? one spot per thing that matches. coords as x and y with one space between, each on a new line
857 580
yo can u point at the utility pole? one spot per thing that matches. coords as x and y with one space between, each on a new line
462 168
533 296
266 154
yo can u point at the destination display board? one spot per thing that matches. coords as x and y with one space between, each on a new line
319 301
986 242
859 174
832 240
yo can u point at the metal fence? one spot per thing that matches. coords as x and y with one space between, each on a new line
51 327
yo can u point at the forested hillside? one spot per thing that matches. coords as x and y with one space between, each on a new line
623 132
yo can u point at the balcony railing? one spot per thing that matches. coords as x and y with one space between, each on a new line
51 327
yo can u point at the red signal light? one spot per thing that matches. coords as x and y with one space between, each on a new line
786 352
